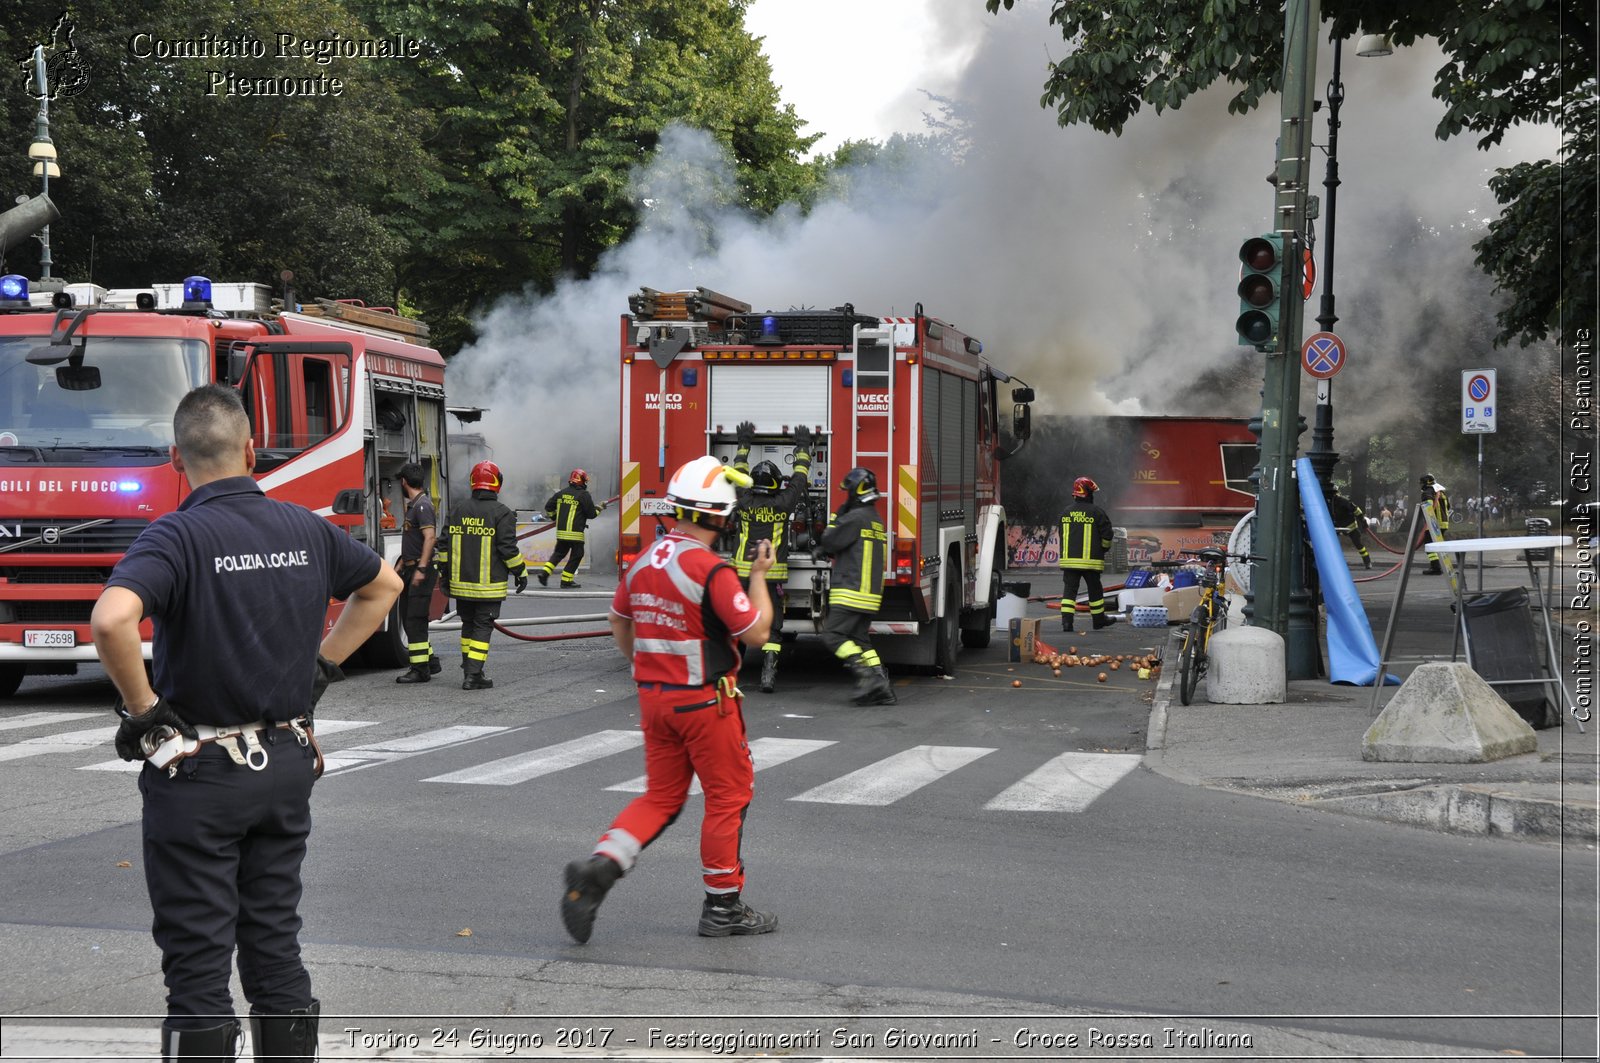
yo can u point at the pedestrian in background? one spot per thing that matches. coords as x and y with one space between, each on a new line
1086 535
237 587
417 575
478 556
572 509
679 615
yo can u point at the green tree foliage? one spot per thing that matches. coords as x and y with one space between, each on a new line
1507 63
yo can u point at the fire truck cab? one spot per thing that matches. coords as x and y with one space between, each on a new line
913 399
339 397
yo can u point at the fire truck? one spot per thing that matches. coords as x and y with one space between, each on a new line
913 399
339 397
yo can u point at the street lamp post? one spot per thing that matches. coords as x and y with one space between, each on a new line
43 153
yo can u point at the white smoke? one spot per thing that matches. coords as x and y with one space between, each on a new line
1100 269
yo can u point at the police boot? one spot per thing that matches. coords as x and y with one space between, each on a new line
725 915
214 1042
417 673
769 671
291 1037
1103 620
866 681
588 882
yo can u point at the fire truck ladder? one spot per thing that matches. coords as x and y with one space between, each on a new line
876 409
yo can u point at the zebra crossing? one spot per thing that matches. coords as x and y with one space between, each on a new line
1066 782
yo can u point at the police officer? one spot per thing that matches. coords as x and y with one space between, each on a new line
1348 518
480 551
1433 492
765 508
679 615
856 540
1086 535
237 588
417 574
572 509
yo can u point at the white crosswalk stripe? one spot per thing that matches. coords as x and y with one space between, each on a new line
894 777
508 771
324 728
393 749
66 742
1068 783
35 719
766 752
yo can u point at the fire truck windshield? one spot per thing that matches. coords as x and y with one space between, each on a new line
111 399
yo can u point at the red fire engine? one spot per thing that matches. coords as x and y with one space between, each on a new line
340 396
911 398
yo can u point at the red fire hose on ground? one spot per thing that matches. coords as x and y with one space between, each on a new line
504 630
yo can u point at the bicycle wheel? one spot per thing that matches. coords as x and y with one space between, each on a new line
1189 665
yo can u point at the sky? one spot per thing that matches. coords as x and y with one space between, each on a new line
1099 269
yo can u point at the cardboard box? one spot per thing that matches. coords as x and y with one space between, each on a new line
1024 634
1180 603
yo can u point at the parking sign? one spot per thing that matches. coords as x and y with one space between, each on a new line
1479 403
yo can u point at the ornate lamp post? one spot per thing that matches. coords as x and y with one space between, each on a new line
43 153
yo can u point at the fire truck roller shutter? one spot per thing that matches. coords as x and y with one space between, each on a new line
772 396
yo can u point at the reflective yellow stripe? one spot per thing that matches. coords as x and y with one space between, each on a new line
906 503
630 498
867 603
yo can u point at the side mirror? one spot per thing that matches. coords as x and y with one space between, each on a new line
77 377
1023 395
236 363
1022 418
350 501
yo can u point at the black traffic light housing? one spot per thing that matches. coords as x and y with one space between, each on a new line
1260 288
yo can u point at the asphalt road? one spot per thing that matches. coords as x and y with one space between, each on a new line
978 845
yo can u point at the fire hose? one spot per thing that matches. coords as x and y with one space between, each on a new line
547 525
504 626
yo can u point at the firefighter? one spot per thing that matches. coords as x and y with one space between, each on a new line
479 551
856 540
1433 491
417 572
1086 535
572 509
763 514
1348 518
679 615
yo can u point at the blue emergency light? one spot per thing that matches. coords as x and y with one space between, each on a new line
128 486
196 293
769 330
13 289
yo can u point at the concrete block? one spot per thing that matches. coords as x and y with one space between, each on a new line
1247 667
1445 714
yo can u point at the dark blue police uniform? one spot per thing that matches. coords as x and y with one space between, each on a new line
237 586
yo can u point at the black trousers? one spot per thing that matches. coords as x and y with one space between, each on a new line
572 550
847 634
416 599
477 625
1069 591
775 592
223 845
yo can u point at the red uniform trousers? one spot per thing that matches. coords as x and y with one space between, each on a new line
689 732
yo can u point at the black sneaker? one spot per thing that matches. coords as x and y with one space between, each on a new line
414 674
737 919
588 882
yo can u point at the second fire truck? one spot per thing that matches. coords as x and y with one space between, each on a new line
913 399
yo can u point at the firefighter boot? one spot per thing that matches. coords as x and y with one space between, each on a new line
473 677
725 915
1366 561
1066 621
588 881
214 1042
883 689
434 665
866 681
544 575
1103 620
769 671
291 1037
415 674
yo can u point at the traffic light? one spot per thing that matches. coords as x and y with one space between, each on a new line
1259 286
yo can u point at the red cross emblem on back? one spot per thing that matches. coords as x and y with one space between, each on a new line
662 553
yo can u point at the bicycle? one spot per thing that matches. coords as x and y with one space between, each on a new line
1208 618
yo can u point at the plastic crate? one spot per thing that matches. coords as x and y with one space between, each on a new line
1149 616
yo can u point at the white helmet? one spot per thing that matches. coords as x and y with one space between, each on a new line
705 485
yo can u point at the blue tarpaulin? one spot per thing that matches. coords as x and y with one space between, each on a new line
1352 651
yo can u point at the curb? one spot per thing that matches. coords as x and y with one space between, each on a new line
1475 809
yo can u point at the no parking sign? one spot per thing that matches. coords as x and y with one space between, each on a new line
1479 405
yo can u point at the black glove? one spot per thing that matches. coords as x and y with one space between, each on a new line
327 672
747 433
803 439
521 580
133 728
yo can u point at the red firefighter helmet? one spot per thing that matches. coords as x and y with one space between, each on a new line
1083 487
578 477
486 476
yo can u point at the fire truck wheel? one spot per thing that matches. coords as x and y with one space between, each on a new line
976 638
11 678
948 640
387 647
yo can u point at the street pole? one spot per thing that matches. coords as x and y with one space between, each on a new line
1322 455
1279 579
42 136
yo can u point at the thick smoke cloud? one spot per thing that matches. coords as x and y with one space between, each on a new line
1100 269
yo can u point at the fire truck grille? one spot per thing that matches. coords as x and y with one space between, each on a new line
52 612
55 575
65 535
